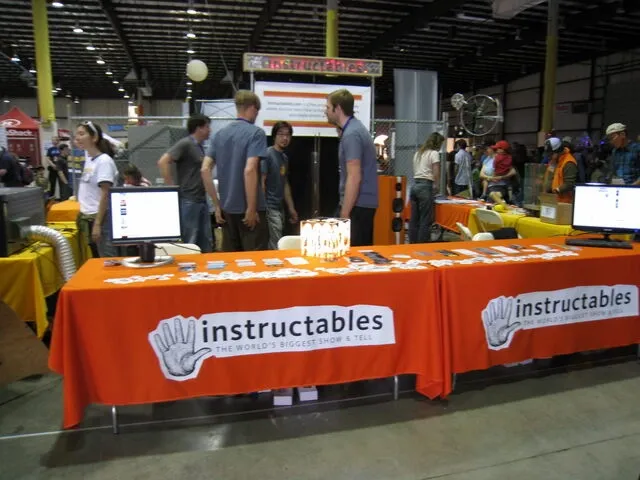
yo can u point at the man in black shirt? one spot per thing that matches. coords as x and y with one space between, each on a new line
62 164
9 170
52 157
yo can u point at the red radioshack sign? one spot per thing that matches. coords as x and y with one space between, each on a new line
20 133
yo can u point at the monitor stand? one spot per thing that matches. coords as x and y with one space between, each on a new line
605 242
147 258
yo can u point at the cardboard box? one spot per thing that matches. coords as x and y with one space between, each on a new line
22 354
552 211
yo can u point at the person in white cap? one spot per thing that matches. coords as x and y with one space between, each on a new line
625 157
561 174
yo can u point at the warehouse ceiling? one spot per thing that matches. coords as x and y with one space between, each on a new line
458 39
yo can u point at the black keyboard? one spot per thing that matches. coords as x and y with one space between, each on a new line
596 242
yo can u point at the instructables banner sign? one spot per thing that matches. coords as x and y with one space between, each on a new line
264 62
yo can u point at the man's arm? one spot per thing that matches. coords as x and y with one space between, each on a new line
164 164
288 199
351 187
50 161
4 164
570 174
207 179
251 176
511 173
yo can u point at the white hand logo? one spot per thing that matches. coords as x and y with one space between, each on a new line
496 318
178 355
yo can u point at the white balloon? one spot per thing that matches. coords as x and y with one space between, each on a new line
197 70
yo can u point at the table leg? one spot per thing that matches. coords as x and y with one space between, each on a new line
114 419
395 387
453 382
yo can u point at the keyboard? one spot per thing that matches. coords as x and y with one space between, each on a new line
599 243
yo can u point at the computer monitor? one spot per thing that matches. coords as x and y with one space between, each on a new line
143 216
606 209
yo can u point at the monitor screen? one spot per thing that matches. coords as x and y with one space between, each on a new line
606 208
141 214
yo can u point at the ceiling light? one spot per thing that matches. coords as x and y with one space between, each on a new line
187 99
57 4
121 89
115 82
108 72
15 58
192 11
68 95
77 29
189 90
90 47
472 18
189 82
191 51
32 70
6 100
190 34
130 102
54 91
100 61
58 88
126 95
76 100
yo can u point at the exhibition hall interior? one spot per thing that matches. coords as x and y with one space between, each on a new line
322 239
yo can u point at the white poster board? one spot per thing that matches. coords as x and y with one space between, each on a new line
221 112
303 106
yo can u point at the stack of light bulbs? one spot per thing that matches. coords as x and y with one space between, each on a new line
326 238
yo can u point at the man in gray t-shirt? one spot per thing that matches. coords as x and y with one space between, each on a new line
187 155
237 150
358 168
275 169
462 162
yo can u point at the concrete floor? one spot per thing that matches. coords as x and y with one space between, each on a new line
566 422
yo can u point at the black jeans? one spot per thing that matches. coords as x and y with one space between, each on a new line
237 237
361 225
459 188
422 211
53 180
503 189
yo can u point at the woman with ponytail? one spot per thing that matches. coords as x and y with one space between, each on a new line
98 176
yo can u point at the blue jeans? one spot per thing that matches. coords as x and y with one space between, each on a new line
104 247
275 220
423 212
196 224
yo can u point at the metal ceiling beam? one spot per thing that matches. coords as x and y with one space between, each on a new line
536 32
269 11
110 11
415 19
625 42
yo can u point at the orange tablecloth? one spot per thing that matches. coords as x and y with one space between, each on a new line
578 289
447 214
104 340
66 211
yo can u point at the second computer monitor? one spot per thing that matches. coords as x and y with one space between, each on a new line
144 215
